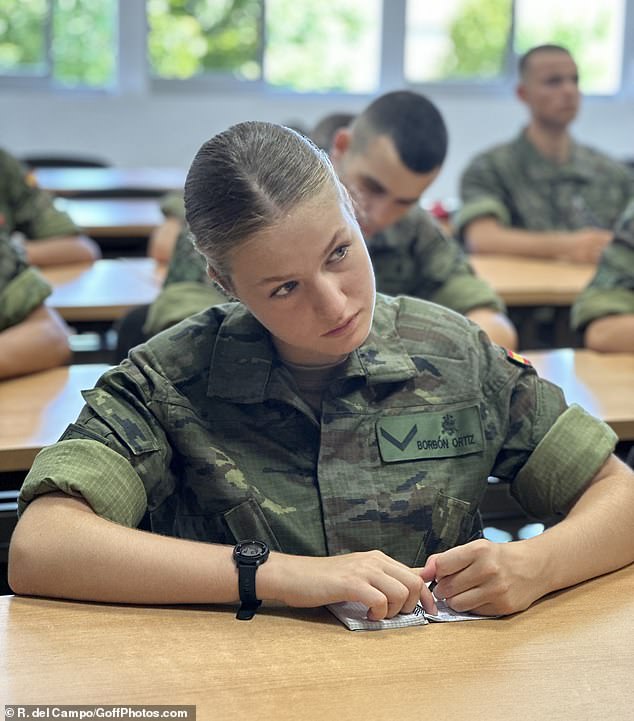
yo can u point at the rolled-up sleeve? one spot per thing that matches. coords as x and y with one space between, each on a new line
564 462
92 471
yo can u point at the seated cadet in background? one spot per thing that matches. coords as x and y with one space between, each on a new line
50 236
32 336
387 158
347 434
324 131
543 194
163 238
605 309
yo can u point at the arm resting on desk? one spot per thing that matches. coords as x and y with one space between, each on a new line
38 342
61 548
62 249
611 334
596 537
496 325
488 235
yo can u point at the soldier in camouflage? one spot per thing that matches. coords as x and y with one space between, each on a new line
51 237
352 433
604 312
32 336
390 154
543 194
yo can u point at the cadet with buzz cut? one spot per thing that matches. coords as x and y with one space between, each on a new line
340 439
604 312
51 237
386 158
543 194
32 336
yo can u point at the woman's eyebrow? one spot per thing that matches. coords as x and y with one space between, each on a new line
329 248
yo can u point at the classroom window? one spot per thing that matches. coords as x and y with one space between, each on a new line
456 40
294 44
592 31
72 43
479 40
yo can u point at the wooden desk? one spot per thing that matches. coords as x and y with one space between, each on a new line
114 217
570 657
533 282
35 410
105 290
603 383
90 181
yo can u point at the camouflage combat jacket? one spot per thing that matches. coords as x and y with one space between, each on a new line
22 288
611 291
26 208
202 434
522 189
413 257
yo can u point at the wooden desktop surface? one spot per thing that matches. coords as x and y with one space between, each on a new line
113 217
603 383
76 181
105 290
533 281
35 410
568 658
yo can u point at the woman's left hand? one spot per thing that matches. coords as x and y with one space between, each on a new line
486 578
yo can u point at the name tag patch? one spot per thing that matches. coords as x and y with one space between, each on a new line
442 434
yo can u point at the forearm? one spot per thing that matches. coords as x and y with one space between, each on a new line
612 334
486 235
596 537
60 250
496 325
38 343
61 548
163 239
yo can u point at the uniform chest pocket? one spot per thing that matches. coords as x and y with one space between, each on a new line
451 524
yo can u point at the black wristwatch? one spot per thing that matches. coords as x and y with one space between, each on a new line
248 555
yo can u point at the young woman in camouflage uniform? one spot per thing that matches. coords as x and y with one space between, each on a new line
352 433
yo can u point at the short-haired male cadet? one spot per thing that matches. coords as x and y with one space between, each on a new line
386 158
50 235
604 312
543 194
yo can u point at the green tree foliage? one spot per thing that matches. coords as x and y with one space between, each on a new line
83 36
586 39
83 48
190 37
315 46
478 37
22 46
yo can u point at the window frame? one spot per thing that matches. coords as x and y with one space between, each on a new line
133 76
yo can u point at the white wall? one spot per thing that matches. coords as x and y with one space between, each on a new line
166 130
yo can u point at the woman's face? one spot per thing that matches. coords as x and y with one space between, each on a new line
309 280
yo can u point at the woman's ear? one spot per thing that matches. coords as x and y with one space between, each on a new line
221 281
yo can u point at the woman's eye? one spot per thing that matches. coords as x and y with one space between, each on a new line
340 253
284 290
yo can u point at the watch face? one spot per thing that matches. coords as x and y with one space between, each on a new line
251 550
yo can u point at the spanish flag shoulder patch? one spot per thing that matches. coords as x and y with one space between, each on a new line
516 358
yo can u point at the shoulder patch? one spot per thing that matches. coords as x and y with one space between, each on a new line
516 358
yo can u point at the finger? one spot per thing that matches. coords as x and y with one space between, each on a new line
411 580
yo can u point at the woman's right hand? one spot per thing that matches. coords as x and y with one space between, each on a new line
384 585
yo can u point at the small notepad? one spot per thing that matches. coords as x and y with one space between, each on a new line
354 616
